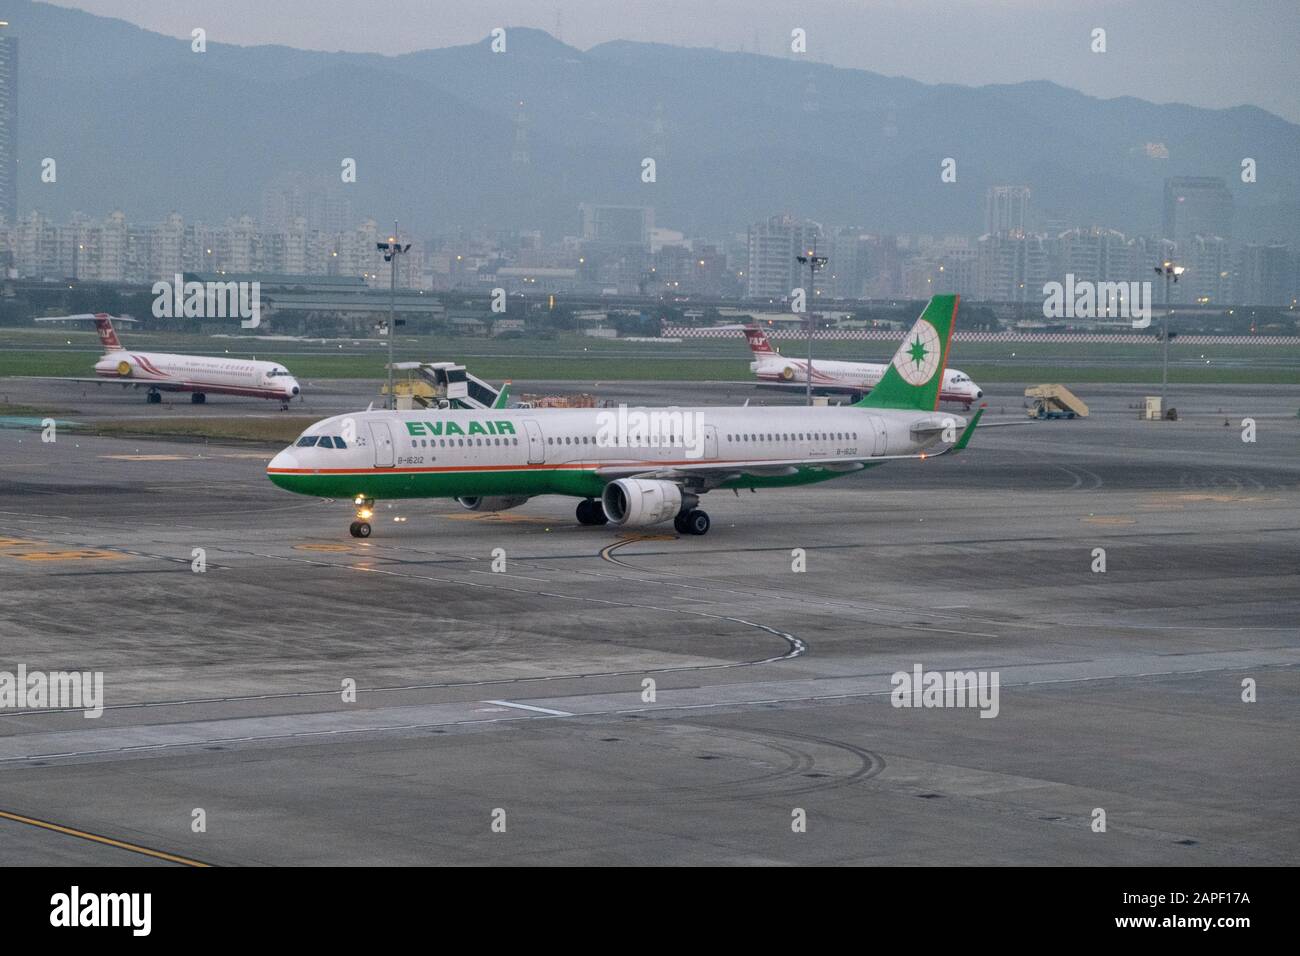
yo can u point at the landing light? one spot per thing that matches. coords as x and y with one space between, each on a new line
365 513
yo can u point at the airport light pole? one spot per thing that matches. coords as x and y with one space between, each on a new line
1171 271
391 250
814 263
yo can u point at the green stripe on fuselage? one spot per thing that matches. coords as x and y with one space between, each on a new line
382 484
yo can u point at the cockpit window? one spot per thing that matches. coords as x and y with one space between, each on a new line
339 442
307 441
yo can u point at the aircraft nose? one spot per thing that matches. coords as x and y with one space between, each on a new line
284 461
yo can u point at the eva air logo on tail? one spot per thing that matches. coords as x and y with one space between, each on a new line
918 358
911 381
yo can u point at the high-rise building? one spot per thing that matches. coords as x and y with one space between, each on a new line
1268 275
773 246
620 225
1006 210
1012 269
1095 255
1210 275
8 127
1197 206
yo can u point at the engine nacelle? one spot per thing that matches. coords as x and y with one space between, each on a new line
637 502
492 504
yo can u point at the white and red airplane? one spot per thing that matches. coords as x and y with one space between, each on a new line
200 375
855 379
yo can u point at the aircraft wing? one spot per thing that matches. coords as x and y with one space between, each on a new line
802 387
125 382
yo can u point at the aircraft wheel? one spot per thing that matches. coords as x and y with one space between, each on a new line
360 529
693 522
591 513
154 398
197 398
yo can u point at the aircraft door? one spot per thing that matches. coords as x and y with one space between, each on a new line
383 439
710 442
536 447
880 436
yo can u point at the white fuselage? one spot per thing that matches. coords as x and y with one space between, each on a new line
856 376
449 453
198 373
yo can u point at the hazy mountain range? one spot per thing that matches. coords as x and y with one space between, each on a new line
138 121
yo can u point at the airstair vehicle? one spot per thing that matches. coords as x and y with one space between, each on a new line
1054 401
441 385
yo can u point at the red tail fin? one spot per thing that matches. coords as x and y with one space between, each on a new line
758 343
107 334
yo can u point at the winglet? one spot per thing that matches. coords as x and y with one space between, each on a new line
964 439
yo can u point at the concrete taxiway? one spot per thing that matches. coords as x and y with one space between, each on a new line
521 695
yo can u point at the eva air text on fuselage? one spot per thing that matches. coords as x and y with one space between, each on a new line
435 429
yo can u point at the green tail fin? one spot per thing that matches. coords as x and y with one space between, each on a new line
503 396
913 378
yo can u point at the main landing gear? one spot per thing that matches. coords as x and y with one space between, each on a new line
154 397
589 512
694 521
197 398
361 527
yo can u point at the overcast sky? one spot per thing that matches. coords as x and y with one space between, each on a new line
1204 52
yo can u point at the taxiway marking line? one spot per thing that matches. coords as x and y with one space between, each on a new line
540 710
96 838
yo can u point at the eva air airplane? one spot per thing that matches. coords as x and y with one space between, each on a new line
629 467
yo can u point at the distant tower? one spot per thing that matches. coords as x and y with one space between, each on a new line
658 134
559 24
8 126
810 96
519 155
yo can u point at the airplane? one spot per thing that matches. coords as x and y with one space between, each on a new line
496 459
853 378
200 375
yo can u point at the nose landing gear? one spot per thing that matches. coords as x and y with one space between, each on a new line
361 527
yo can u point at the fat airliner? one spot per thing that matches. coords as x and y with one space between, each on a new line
200 375
852 378
491 460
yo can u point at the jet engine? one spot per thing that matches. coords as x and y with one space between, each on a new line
637 502
492 504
